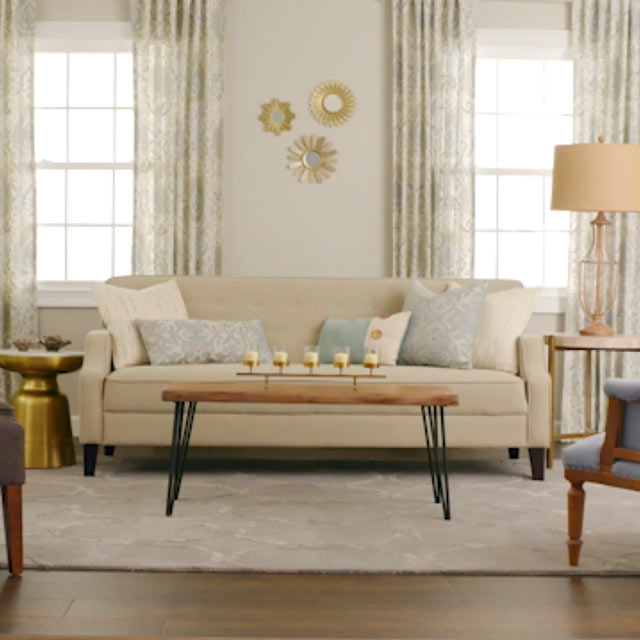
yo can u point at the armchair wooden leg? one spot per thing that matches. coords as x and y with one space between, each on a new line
575 511
12 509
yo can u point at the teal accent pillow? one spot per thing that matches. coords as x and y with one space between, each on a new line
442 327
340 332
198 341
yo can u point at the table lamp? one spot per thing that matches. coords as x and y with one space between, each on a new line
597 177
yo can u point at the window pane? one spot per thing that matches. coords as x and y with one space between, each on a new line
90 196
50 253
91 80
520 86
485 141
556 259
124 135
520 257
124 196
555 220
485 255
50 80
523 142
559 131
124 80
558 86
486 86
89 253
50 131
486 214
50 195
521 204
90 135
123 251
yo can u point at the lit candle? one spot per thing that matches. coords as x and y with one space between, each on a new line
280 358
311 359
251 358
340 359
371 360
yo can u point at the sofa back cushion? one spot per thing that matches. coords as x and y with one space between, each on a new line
293 310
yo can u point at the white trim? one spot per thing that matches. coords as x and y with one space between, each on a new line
74 295
524 43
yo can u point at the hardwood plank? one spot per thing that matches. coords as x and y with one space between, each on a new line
303 393
86 627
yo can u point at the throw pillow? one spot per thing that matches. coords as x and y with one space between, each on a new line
198 341
442 327
504 318
385 333
119 307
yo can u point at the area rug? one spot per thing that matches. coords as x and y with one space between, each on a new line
320 516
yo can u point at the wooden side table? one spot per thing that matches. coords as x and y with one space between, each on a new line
589 344
40 407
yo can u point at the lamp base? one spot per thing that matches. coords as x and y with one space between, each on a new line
597 328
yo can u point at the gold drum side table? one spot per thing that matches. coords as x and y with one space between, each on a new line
40 407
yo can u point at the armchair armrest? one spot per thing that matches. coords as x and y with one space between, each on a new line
533 370
95 368
627 390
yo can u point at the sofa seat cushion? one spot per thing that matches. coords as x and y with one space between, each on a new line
481 391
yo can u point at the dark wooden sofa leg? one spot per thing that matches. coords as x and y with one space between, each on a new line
514 453
90 456
12 509
537 460
575 515
109 450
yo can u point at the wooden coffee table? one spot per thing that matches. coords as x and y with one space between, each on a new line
432 399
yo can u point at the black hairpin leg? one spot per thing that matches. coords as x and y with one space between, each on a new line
179 447
434 431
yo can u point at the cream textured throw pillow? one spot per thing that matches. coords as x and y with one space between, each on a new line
385 333
119 308
504 318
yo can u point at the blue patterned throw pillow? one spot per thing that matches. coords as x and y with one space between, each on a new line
443 327
199 341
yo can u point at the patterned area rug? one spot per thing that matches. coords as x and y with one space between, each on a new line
320 516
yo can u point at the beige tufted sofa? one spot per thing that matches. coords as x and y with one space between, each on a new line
124 407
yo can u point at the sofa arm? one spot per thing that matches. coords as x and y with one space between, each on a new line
95 368
533 370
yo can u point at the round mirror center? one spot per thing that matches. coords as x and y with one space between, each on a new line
277 116
312 159
332 103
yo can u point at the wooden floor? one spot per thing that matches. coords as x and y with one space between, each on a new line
318 606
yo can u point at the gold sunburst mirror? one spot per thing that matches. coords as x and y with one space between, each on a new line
332 103
276 116
312 159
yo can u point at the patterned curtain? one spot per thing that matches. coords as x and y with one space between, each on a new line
178 66
433 114
19 318
606 54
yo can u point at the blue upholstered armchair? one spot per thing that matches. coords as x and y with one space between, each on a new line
612 457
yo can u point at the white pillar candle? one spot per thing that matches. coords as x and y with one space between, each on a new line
340 359
280 358
311 359
371 359
251 357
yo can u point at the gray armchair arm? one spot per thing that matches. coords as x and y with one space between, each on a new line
627 390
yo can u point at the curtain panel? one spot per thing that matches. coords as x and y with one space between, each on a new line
19 318
434 49
178 78
606 55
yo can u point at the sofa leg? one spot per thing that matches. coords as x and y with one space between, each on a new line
109 450
575 515
12 509
90 457
537 460
514 453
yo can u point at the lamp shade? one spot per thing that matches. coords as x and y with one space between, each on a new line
596 177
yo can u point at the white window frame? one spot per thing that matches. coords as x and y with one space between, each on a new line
91 37
531 44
